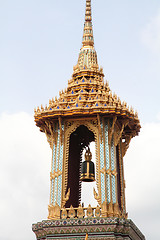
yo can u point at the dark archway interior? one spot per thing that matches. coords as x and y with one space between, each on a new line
79 139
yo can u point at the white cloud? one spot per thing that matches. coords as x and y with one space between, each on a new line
142 164
158 116
151 34
24 177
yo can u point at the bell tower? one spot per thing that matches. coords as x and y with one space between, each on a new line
87 111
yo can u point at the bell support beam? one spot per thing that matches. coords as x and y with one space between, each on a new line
120 132
111 131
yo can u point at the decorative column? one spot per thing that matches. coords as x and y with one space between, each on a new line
56 169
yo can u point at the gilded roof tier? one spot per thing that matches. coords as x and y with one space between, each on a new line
87 94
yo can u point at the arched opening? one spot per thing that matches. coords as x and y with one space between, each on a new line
79 139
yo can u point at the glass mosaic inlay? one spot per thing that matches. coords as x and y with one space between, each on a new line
57 152
60 165
106 144
102 166
59 190
52 184
108 188
56 184
113 189
112 154
61 158
101 155
102 187
55 190
54 151
107 159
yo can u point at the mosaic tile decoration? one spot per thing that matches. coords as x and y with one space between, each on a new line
112 168
57 152
56 168
101 151
55 191
102 166
60 165
61 158
52 184
53 167
76 228
112 154
113 189
59 190
53 159
108 188
102 188
57 164
107 159
82 221
106 143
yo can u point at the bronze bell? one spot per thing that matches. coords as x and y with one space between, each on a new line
87 169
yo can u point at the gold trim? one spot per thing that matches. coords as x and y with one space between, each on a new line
99 127
54 211
66 198
61 131
96 196
119 132
70 127
98 174
109 170
71 212
64 213
104 149
86 176
111 130
51 180
89 211
80 212
55 174
125 145
86 238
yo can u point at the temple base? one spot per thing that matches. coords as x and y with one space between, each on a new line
97 229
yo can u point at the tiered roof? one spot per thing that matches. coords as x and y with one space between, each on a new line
86 93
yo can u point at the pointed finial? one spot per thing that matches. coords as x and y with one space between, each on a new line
88 31
42 108
87 59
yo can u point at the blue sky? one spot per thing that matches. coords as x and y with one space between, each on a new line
39 45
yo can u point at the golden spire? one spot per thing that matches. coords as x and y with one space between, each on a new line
87 57
88 31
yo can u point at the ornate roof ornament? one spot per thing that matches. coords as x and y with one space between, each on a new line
87 94
87 56
88 31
